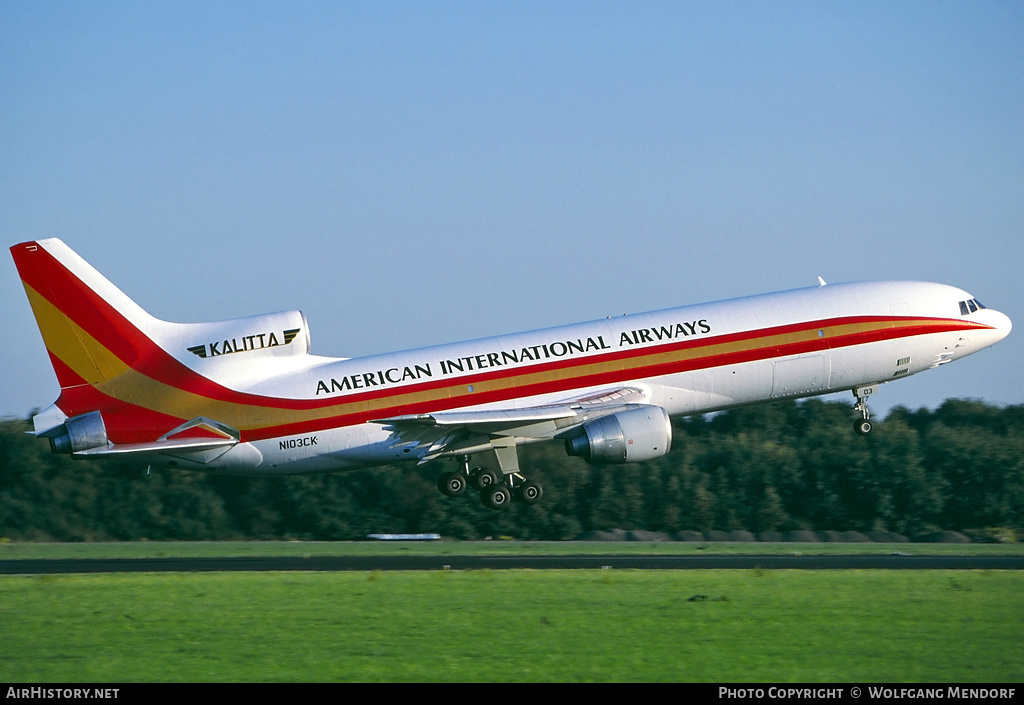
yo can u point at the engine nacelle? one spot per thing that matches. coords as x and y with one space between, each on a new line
628 436
78 433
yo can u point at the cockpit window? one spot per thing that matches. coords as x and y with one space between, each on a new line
970 306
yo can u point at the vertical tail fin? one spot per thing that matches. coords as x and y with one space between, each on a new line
133 380
92 331
105 351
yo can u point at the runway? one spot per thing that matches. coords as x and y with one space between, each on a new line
509 562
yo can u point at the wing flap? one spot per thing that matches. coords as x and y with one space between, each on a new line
497 417
568 409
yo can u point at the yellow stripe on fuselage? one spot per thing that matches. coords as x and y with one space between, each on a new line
100 367
142 390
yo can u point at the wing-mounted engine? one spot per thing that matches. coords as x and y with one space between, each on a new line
630 436
610 426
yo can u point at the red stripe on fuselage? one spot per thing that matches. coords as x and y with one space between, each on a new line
625 374
70 295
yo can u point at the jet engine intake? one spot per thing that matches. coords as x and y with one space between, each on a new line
79 433
629 436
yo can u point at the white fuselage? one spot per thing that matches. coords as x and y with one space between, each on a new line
688 360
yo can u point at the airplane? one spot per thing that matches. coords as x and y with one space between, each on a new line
246 397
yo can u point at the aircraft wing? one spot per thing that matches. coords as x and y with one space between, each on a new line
448 433
496 420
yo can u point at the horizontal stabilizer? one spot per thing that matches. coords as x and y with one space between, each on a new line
165 446
199 434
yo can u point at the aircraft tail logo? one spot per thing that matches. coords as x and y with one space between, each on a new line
133 379
92 331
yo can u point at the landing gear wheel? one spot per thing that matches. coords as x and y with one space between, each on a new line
452 483
862 426
496 496
530 492
482 478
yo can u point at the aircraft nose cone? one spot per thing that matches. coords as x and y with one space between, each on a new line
1000 323
1004 325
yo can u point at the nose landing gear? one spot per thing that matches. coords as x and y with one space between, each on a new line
863 425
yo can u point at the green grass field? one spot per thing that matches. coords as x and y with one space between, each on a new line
706 626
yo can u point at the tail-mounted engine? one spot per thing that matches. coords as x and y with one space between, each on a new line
271 335
628 436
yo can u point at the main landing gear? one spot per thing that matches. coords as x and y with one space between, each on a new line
497 489
863 425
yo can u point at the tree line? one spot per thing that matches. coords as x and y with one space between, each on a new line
771 468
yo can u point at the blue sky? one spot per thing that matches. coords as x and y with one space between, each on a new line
412 173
